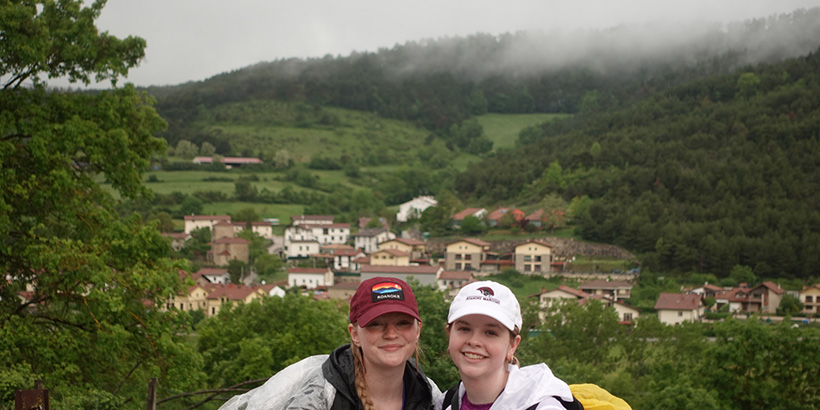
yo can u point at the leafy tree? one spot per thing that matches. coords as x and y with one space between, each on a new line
198 245
282 160
789 305
267 264
245 191
164 221
247 215
207 149
236 271
473 225
742 274
186 149
81 303
191 205
255 340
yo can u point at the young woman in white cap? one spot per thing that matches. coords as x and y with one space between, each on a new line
374 372
483 326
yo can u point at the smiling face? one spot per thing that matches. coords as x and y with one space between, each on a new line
387 341
480 347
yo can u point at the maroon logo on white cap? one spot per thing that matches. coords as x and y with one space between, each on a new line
486 291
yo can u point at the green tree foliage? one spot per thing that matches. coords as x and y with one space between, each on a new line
186 149
472 225
80 305
692 178
255 340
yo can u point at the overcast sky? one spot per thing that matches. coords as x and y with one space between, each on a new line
191 40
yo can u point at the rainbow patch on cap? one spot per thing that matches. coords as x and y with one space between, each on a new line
386 291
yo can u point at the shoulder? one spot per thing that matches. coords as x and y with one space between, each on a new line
302 380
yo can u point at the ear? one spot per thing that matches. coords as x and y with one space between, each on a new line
514 344
354 335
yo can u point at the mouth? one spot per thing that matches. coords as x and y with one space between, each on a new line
392 348
472 356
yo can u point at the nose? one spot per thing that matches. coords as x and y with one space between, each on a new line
474 339
390 331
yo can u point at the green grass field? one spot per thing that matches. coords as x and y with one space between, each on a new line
503 129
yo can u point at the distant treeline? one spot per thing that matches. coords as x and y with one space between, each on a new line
439 83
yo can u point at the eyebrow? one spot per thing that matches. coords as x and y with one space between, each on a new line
491 324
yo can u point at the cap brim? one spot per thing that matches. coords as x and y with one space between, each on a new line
377 310
491 311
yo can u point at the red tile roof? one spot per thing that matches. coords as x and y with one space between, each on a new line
677 301
456 274
465 213
474 241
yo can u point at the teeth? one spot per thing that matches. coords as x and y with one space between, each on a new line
473 356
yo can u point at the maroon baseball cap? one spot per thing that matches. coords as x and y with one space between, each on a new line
377 296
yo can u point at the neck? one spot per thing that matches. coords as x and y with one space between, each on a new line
485 390
385 387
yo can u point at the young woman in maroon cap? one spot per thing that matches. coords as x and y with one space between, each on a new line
375 371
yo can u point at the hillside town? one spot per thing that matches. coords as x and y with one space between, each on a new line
340 260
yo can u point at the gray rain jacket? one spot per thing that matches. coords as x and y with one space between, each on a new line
326 382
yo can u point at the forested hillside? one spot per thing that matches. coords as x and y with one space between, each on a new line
711 174
439 83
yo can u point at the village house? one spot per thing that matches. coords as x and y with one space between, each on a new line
225 249
763 298
415 248
675 308
224 294
310 278
535 219
262 229
615 290
810 297
533 257
343 258
494 218
194 222
296 220
547 299
325 234
414 208
458 218
302 248
342 290
390 257
368 239
424 275
214 275
465 254
192 298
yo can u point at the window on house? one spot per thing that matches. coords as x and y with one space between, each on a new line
537 268
527 258
468 266
680 314
213 310
458 256
182 306
324 231
538 258
527 268
458 266
808 299
468 257
627 317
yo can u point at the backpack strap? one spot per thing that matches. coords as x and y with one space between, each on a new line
451 398
570 405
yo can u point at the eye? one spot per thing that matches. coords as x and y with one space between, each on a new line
491 333
375 324
404 323
463 328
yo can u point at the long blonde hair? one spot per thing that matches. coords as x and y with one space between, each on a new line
359 372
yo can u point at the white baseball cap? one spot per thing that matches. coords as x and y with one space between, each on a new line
487 298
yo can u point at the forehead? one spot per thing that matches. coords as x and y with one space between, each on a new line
479 320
